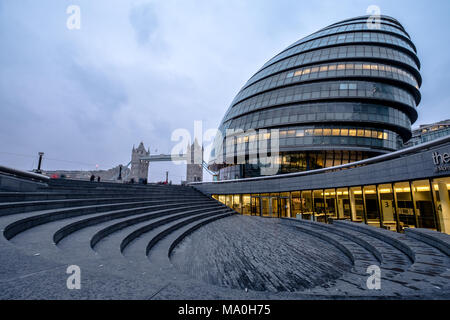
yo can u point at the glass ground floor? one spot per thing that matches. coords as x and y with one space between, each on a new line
394 206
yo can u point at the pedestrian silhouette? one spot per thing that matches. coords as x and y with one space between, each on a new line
98 179
92 178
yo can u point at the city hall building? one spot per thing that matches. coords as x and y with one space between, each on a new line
342 102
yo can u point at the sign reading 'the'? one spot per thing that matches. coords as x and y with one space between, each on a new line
441 161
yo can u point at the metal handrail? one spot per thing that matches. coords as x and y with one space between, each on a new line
24 174
384 157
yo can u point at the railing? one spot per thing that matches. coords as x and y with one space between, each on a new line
385 157
23 174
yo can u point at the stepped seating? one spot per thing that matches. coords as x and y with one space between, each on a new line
133 230
82 214
406 262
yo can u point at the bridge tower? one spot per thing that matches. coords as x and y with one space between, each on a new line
194 162
139 167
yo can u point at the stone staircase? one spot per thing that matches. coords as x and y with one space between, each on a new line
413 264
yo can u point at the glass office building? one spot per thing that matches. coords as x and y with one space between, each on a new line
345 93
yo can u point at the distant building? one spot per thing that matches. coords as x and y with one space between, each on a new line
139 167
194 166
105 175
429 132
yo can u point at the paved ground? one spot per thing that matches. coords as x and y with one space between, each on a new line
259 254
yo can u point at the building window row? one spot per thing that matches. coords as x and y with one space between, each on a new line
358 26
319 112
323 90
374 37
393 206
328 71
344 52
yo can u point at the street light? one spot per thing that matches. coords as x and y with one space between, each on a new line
41 154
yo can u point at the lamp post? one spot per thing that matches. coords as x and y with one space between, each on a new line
41 154
120 173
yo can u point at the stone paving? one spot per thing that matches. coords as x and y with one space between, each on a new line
259 254
216 255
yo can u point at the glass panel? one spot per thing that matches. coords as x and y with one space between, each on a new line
285 206
357 204
330 203
296 208
237 203
371 205
246 205
222 199
343 204
441 189
275 206
319 206
256 205
307 205
265 206
386 195
229 201
405 206
423 204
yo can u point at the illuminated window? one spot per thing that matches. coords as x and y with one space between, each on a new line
332 68
318 132
358 66
385 136
368 134
350 66
381 68
344 132
300 133
374 134
341 67
324 68
306 71
298 73
309 132
336 132
366 66
360 133
352 132
283 134
327 132
374 67
380 135
291 133
315 69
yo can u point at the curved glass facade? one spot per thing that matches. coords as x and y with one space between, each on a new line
345 90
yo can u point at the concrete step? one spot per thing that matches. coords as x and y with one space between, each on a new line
158 210
10 208
24 224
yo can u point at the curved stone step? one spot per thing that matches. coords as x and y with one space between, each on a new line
161 209
10 208
30 222
208 216
149 227
111 229
429 270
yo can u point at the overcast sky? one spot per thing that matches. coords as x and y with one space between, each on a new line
138 70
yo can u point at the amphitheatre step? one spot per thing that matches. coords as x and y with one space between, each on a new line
107 241
37 196
208 216
157 210
10 208
27 223
130 238
429 269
